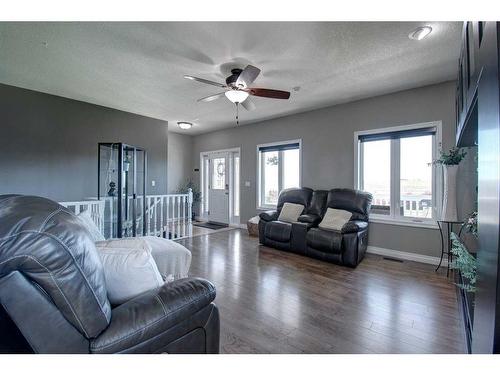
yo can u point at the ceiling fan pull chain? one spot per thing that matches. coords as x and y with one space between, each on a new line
237 114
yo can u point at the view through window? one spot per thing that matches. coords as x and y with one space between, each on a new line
396 167
279 168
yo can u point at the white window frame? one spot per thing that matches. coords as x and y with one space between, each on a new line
280 170
393 217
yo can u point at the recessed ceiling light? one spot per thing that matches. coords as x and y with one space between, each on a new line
420 33
185 125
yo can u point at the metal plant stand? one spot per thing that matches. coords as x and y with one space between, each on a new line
445 229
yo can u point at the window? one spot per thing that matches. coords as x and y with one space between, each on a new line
395 165
278 169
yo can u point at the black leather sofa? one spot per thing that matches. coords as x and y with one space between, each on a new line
346 247
53 297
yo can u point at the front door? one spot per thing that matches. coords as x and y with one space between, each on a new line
218 186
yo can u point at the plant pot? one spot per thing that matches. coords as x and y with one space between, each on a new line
449 212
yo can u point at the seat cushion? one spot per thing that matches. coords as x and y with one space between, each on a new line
278 231
323 240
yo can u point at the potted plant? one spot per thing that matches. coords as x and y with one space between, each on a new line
450 160
196 195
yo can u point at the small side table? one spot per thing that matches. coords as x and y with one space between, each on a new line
445 228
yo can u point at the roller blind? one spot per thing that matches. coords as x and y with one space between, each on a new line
397 134
283 147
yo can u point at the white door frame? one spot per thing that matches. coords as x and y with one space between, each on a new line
233 220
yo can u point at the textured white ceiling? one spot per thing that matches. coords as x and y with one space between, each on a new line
139 67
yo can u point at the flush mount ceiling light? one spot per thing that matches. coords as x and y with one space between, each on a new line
236 96
185 125
420 33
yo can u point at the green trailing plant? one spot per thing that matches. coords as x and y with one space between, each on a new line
190 185
453 157
465 263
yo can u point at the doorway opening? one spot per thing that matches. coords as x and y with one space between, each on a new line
220 186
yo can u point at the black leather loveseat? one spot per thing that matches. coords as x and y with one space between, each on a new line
54 300
346 247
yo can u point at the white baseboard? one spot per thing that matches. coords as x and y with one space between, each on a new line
241 226
405 255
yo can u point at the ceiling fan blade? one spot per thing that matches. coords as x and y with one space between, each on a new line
205 81
211 97
247 76
268 93
248 104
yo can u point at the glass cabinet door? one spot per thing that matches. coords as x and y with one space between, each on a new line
121 183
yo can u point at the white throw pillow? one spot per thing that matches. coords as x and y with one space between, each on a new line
290 212
128 272
86 219
335 219
172 259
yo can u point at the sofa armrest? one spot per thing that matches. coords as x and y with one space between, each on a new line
309 219
152 313
354 226
269 215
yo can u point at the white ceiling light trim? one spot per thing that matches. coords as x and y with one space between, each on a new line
185 125
236 96
420 33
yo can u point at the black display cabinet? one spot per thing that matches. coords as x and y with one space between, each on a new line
122 184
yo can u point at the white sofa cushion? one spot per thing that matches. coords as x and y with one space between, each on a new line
290 212
172 259
335 219
128 271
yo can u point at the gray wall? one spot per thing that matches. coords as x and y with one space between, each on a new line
48 144
180 150
327 149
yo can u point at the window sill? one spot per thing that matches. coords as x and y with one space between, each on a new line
270 208
428 224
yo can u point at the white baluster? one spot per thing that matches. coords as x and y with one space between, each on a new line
162 222
183 217
167 205
178 231
148 212
190 210
155 205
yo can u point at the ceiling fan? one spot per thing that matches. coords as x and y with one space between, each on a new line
238 90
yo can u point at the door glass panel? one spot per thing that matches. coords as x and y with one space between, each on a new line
218 173
206 167
416 177
236 186
270 184
377 174
291 169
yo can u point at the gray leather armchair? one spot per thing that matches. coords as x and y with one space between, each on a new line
53 296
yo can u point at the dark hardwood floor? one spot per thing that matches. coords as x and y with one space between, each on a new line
272 301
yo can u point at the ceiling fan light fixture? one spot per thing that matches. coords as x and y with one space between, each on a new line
236 96
185 125
420 33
